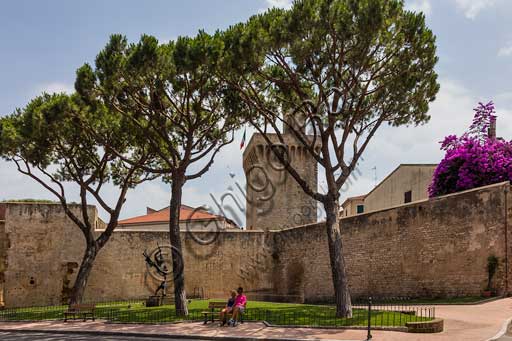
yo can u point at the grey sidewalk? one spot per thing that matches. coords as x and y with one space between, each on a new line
51 336
245 332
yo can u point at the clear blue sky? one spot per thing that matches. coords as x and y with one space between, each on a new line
43 42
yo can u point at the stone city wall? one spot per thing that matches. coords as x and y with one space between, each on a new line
42 250
430 248
213 269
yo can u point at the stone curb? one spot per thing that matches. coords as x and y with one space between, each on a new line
156 335
482 301
502 332
389 329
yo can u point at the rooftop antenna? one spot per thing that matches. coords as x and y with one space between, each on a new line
374 169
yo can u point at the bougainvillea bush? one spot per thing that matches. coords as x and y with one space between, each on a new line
474 159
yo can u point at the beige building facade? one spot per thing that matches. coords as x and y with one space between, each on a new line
352 206
407 183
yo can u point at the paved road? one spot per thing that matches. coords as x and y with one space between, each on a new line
19 336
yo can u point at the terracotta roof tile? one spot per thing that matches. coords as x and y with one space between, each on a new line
162 215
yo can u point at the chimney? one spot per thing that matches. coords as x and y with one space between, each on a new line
492 129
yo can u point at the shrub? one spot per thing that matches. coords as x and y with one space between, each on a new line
492 266
474 159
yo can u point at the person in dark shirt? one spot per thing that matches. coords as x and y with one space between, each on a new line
228 309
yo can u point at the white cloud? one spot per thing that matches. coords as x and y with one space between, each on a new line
222 178
503 102
154 194
505 51
472 8
451 113
54 87
420 6
286 4
504 98
19 186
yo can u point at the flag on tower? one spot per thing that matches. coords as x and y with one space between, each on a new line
242 144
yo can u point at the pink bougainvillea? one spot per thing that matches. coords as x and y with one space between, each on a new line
474 159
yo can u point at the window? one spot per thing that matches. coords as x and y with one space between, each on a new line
407 197
360 209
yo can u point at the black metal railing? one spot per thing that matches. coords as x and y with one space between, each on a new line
365 314
56 312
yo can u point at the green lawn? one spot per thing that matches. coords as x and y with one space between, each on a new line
274 313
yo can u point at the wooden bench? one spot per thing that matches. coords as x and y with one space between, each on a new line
214 308
80 310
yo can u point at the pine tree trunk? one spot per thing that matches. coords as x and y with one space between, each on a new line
77 293
339 274
178 265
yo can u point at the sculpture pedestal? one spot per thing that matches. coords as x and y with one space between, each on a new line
154 301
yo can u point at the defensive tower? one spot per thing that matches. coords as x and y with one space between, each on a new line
274 199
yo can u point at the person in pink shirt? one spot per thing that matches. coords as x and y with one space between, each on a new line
239 307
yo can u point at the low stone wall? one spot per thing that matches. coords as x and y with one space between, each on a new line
434 326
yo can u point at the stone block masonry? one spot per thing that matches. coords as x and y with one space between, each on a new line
274 200
43 250
432 248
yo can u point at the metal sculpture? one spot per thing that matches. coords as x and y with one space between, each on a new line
157 263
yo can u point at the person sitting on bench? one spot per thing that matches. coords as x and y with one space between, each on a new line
228 309
240 302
